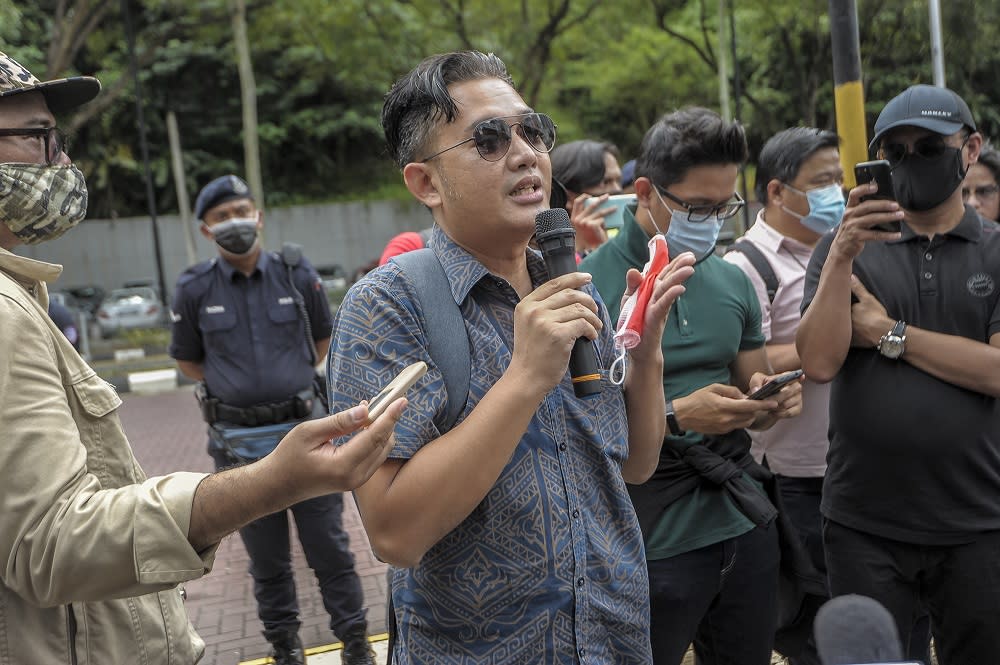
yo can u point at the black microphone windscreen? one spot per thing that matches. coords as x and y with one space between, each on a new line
853 629
553 219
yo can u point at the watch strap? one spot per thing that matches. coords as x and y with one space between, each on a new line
672 425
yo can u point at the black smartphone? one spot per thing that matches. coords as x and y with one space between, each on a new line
775 384
879 172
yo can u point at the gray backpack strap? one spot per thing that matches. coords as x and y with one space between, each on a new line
447 340
760 264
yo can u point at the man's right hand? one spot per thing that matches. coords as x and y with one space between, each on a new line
719 409
546 325
859 218
311 463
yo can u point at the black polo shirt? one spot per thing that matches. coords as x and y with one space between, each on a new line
912 457
247 331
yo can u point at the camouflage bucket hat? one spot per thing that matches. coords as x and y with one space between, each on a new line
61 94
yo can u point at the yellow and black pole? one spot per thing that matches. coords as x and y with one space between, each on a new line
849 94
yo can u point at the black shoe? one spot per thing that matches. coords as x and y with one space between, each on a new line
356 648
287 650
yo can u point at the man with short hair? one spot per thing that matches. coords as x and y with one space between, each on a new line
93 550
911 498
711 544
251 326
799 182
510 528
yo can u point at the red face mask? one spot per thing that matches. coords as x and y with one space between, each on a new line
628 332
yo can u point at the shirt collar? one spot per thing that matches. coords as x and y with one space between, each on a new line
37 271
464 271
229 270
970 228
770 238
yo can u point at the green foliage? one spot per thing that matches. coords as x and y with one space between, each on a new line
602 68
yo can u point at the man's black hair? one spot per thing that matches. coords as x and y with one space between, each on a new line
579 165
784 154
685 139
420 98
990 158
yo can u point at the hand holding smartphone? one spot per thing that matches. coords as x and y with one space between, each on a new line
395 389
617 203
880 172
775 384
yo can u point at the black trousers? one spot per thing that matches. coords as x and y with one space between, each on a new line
722 597
327 550
958 585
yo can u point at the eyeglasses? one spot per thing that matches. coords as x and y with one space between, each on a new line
493 136
927 147
981 192
55 140
701 212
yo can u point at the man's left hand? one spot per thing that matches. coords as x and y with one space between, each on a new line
667 288
869 319
789 398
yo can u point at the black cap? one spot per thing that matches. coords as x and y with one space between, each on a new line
220 190
939 110
60 95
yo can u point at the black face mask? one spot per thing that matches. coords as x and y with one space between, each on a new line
921 183
236 236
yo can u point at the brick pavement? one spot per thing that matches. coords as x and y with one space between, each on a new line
167 434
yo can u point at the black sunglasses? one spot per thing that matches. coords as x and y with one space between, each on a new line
55 140
493 136
701 212
926 147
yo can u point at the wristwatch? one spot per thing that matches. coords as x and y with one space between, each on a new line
672 425
893 343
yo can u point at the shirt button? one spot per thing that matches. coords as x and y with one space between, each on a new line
928 256
562 447
576 514
580 582
927 275
684 322
583 652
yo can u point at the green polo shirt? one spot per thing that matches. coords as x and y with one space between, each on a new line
717 317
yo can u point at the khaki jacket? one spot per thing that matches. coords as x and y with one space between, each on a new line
92 551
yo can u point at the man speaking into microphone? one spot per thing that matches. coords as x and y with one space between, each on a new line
509 525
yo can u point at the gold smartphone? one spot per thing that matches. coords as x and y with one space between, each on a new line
395 389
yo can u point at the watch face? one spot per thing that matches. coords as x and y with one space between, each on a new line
892 347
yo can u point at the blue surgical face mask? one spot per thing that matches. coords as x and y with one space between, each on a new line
826 208
683 235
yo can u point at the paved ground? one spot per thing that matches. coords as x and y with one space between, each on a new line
167 434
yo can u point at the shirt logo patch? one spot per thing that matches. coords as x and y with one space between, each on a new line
981 285
286 300
215 309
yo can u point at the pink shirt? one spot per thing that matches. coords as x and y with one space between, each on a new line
794 446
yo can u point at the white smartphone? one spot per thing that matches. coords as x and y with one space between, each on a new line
616 219
395 389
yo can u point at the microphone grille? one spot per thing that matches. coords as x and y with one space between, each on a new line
553 219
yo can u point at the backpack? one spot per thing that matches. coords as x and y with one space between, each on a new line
760 264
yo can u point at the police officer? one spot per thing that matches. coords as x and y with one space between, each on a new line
251 326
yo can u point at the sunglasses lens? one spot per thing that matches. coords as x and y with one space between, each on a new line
894 152
539 131
930 147
492 139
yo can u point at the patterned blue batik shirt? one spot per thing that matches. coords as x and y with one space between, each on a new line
549 568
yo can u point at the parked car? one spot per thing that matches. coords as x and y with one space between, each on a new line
124 309
333 277
88 296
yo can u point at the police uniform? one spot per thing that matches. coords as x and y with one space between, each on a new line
250 337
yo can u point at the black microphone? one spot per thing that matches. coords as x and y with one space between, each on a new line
557 240
856 629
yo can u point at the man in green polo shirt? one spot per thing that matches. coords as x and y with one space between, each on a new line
711 544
